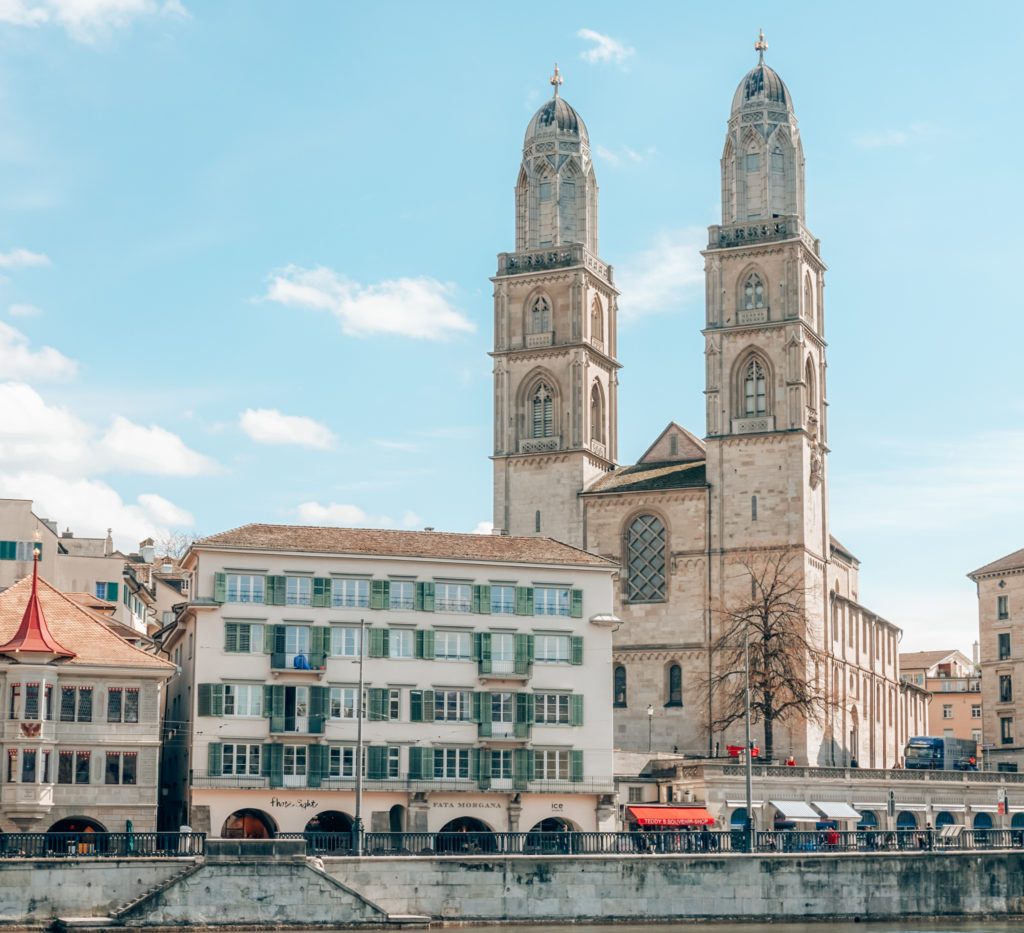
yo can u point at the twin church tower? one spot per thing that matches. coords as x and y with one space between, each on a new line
684 518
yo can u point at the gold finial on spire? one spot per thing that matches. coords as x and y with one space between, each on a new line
760 46
556 79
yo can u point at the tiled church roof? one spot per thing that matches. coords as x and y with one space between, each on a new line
1014 561
650 476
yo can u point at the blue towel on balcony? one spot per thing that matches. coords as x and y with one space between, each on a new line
301 663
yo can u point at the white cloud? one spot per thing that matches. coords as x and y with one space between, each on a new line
85 20
334 514
407 307
411 520
129 446
878 139
625 154
24 311
484 528
404 446
269 426
20 258
605 49
17 361
165 511
664 276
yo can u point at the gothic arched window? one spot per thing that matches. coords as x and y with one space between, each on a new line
675 686
619 687
542 423
755 400
812 396
597 320
753 293
540 316
645 560
596 415
808 300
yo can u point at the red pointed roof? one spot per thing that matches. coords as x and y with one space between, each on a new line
33 634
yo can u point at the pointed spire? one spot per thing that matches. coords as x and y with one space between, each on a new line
760 47
556 79
33 635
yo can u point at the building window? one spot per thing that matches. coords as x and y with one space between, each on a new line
294 762
675 686
1005 688
947 711
298 591
243 638
243 700
753 291
636 795
551 708
753 508
540 312
755 400
452 646
344 642
1006 730
550 601
343 702
619 687
551 765
501 764
1003 607
451 762
542 411
645 560
596 416
1004 645
352 593
296 642
73 768
123 704
545 191
453 597
551 649
503 600
341 761
244 588
451 705
240 759
394 705
975 711
28 765
976 736
121 768
401 594
597 320
503 713
400 643
76 704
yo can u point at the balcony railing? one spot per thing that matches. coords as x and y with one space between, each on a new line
103 845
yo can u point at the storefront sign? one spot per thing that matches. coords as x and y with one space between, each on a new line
465 805
298 803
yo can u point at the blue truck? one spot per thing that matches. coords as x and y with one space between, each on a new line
925 752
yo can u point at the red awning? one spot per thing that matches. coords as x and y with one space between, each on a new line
672 816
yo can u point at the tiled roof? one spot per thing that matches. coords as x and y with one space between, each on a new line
91 602
922 660
1014 561
74 627
650 476
391 543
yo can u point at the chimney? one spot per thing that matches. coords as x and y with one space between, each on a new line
108 545
147 551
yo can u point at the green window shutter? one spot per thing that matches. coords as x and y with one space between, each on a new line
576 709
482 599
231 636
485 652
415 763
277 708
379 593
474 764
378 643
476 703
268 701
483 705
576 649
524 652
319 646
523 715
319 697
112 592
429 706
524 600
425 644
269 641
217 700
315 766
576 604
377 703
522 761
474 646
416 706
275 590
220 587
276 765
428 763
8 550
424 597
483 779
213 765
321 592
376 762
576 765
204 699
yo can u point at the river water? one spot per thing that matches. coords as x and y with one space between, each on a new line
915 926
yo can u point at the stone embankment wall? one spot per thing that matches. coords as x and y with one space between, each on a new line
349 892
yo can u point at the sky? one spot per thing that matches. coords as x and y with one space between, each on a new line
245 251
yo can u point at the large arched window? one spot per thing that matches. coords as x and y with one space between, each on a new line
753 293
645 560
542 423
808 300
597 320
812 395
540 315
675 685
596 414
755 401
619 686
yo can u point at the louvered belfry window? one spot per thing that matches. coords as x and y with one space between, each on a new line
542 412
645 557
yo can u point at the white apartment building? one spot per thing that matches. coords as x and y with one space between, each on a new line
486 666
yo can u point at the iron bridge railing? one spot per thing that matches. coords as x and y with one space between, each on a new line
109 845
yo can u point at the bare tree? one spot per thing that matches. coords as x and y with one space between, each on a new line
773 622
175 544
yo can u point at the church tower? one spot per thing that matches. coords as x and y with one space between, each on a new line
555 382
765 356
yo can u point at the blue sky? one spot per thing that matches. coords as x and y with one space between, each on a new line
245 251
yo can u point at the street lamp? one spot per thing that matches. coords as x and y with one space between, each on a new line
650 726
750 747
357 823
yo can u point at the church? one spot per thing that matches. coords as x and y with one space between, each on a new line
691 519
